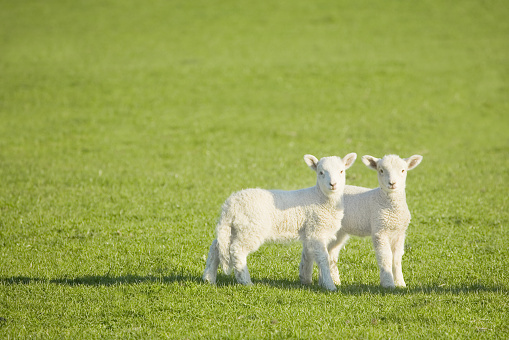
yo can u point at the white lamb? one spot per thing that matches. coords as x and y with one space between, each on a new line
252 217
381 213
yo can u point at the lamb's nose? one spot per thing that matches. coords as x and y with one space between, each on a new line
333 185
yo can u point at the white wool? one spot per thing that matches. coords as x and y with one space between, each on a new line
252 217
381 213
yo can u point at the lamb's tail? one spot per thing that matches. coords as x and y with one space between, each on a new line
224 234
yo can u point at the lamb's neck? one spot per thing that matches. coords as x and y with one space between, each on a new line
397 199
333 201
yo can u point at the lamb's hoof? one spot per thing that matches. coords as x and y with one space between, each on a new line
331 288
208 279
386 281
400 283
306 281
329 285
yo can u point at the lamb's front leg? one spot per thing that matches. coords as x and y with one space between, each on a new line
334 249
321 256
398 250
383 253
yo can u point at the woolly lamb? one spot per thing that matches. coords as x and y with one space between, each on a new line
252 217
381 213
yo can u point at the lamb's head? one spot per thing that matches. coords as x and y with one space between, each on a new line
330 172
392 170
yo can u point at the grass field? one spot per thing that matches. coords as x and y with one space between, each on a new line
125 125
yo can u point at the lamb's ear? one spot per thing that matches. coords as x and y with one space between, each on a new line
413 161
370 161
349 159
311 161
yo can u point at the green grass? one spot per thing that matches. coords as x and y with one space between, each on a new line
124 126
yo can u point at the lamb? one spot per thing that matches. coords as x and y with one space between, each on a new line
252 217
381 213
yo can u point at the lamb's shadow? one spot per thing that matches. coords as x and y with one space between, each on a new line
458 289
292 285
355 289
285 284
106 280
361 289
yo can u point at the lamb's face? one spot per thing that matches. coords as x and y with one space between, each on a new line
330 172
331 175
392 172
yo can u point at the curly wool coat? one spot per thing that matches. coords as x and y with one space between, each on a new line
252 217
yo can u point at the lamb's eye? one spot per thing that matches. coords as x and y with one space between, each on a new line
341 171
402 170
381 171
321 173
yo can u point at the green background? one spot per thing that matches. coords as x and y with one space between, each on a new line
124 125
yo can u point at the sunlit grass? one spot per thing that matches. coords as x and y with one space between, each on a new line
124 127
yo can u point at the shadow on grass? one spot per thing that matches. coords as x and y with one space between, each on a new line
105 280
225 281
360 289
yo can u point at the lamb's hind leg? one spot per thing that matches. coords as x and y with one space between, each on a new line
306 266
209 275
241 247
239 260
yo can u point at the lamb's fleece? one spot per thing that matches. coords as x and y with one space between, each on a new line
381 213
252 217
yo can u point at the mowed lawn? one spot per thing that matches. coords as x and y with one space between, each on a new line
124 126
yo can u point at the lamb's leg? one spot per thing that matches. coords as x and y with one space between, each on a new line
239 258
209 275
322 260
306 266
397 252
384 258
334 249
